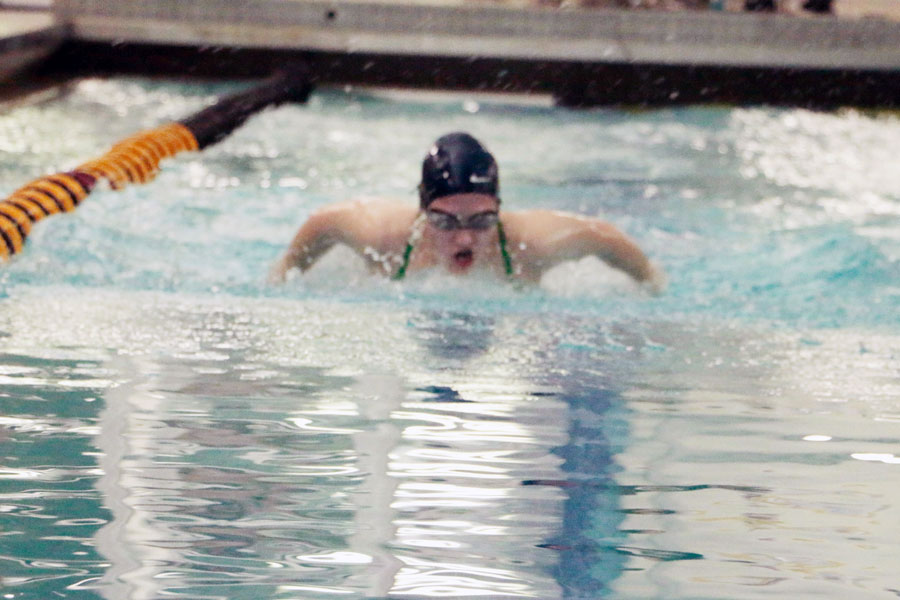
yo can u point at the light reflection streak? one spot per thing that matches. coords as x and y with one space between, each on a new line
889 459
494 457
425 495
23 425
447 470
447 428
67 383
343 558
49 473
435 579
331 591
7 473
474 407
413 531
307 425
441 544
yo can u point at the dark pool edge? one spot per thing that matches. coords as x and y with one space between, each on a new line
29 38
571 83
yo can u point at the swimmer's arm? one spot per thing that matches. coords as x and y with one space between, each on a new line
315 237
618 250
563 237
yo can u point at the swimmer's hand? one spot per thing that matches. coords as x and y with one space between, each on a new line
656 283
278 271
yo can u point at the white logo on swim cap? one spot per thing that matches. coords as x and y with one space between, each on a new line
480 178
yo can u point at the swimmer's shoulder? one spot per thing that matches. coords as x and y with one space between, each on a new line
370 207
543 237
372 221
533 224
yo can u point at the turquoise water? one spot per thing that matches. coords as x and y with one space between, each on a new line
171 426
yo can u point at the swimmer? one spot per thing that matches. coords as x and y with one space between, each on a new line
459 228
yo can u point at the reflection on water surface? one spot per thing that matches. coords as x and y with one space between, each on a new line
532 468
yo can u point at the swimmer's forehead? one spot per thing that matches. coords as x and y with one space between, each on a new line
468 203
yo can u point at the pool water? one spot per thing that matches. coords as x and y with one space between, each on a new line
172 426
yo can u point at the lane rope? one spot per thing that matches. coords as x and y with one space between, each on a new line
136 159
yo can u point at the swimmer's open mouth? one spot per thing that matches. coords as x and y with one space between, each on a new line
464 258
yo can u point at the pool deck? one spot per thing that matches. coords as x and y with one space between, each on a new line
587 56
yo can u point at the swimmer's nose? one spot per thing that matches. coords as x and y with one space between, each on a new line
464 236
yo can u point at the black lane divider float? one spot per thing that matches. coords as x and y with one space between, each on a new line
136 159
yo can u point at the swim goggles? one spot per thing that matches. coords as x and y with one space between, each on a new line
449 222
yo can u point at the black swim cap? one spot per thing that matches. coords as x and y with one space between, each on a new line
457 164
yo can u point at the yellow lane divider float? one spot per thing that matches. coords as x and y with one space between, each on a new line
136 159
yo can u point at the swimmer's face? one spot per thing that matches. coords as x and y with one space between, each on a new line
463 230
